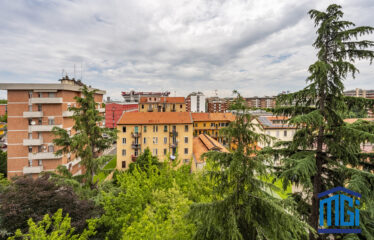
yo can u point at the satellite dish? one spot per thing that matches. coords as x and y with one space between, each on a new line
32 122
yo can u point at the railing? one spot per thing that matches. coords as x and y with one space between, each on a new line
42 128
43 155
33 142
29 170
173 134
36 114
67 113
46 100
174 144
135 145
136 134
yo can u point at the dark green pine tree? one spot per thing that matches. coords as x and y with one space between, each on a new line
325 151
244 206
90 139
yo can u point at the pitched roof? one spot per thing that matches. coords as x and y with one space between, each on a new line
267 122
162 100
203 117
155 118
352 120
204 143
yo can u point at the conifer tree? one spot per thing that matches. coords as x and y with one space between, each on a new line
89 140
244 206
325 151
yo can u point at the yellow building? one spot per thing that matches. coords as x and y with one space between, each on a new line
164 133
211 123
162 104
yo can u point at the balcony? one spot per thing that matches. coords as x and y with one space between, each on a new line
135 145
173 134
47 100
32 114
43 155
174 144
133 158
29 170
33 142
42 128
136 134
150 110
67 113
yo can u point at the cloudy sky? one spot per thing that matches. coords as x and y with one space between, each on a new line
257 47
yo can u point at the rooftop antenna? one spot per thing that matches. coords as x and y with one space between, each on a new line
62 73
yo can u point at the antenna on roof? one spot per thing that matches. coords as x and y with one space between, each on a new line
62 73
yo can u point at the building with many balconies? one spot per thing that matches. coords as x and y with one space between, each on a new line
33 111
162 104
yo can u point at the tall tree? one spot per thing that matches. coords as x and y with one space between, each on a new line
243 205
324 146
90 139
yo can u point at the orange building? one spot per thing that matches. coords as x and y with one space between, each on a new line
33 111
162 104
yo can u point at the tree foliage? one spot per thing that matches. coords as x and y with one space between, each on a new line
90 139
325 151
3 163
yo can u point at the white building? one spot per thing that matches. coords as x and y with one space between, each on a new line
195 102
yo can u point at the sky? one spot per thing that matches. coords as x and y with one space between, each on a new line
256 47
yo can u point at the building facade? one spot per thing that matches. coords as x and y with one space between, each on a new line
134 97
261 102
364 94
168 135
216 104
162 104
33 111
113 112
195 102
3 109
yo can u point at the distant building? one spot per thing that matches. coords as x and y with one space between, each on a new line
162 104
361 93
114 111
203 143
134 97
216 104
35 110
260 102
195 102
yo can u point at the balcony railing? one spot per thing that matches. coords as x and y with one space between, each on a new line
46 100
173 134
136 134
133 158
33 142
67 113
43 155
174 144
42 128
37 114
135 145
29 170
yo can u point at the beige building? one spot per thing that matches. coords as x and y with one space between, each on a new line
275 126
162 104
33 111
166 134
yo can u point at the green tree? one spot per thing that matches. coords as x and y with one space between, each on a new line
243 205
318 157
144 160
90 139
57 228
3 163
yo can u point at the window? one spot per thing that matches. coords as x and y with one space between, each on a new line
285 133
155 151
123 129
51 121
165 151
40 162
155 140
181 106
174 128
40 121
142 106
39 107
204 124
145 140
165 128
195 124
40 95
51 95
30 162
123 140
30 135
51 148
165 140
155 128
185 139
39 148
212 124
136 129
123 152
186 151
30 149
186 160
145 129
30 94
186 128
123 164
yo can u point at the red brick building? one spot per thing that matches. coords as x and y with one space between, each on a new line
216 104
113 112
34 110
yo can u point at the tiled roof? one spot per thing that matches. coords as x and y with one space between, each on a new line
155 118
162 100
204 143
203 117
266 122
352 120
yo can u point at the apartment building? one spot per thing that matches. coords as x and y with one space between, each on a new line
162 104
195 102
166 134
261 102
134 97
211 123
203 143
33 111
275 126
358 92
216 104
114 110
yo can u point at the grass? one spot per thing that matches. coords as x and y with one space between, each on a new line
107 169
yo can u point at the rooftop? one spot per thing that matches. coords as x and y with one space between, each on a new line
352 120
202 117
270 122
204 143
155 118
